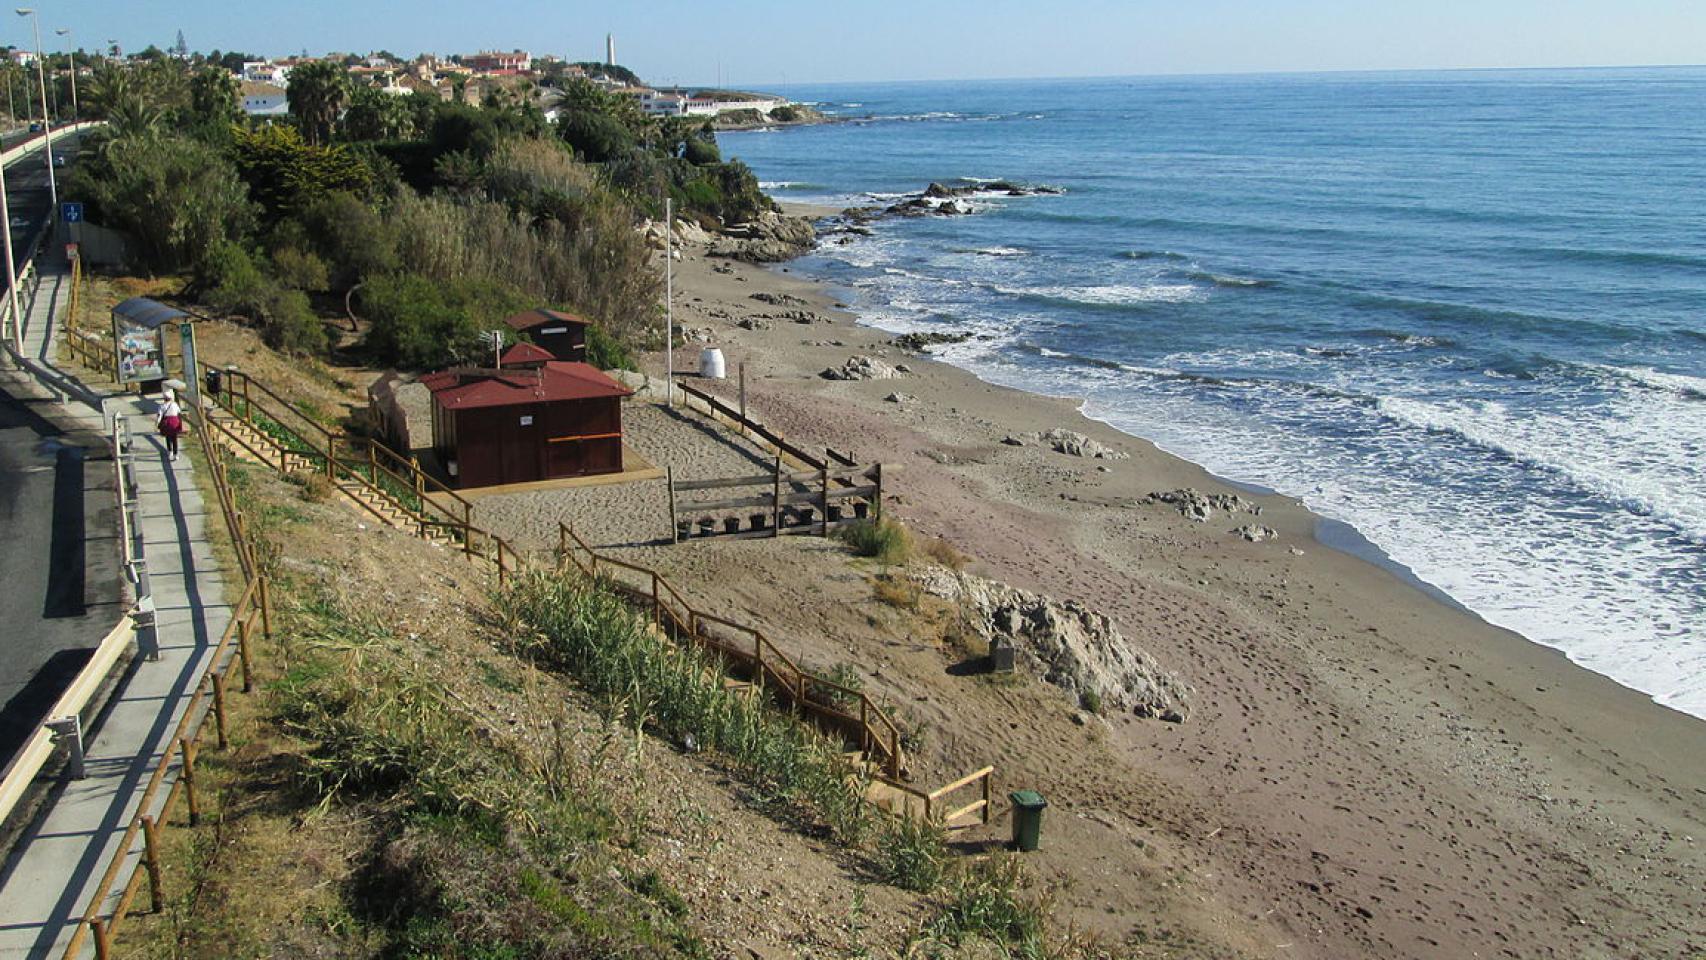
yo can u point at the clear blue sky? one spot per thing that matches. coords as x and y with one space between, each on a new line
757 42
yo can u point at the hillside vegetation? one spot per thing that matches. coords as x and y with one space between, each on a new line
432 219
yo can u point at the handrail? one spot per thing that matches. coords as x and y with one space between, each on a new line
250 607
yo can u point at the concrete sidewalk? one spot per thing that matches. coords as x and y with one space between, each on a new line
45 887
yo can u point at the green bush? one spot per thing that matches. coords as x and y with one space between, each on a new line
422 324
984 902
913 854
887 541
606 352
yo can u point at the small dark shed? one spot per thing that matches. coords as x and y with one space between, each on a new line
564 334
533 420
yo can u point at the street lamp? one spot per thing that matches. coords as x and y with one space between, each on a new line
46 121
72 53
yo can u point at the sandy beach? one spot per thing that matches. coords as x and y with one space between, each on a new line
1365 771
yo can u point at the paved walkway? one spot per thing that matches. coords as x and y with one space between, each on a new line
44 889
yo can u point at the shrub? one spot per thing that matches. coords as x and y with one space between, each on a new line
945 553
421 324
913 854
584 628
888 541
984 901
899 592
1090 700
289 324
300 271
606 352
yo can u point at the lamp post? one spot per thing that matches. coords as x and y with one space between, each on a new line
46 121
72 53
11 268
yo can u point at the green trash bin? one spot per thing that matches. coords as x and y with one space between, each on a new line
1028 807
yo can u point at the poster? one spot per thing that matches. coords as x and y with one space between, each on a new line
141 356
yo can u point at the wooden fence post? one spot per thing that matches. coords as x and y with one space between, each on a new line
674 529
188 749
823 493
743 398
219 709
151 859
988 786
243 650
776 501
657 604
877 501
266 621
103 947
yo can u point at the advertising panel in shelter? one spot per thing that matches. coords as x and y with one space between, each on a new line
141 355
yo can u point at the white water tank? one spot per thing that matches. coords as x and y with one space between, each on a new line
711 364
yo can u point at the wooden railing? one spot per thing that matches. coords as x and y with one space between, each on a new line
251 610
744 647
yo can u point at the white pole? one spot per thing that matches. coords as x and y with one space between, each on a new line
11 269
669 302
46 121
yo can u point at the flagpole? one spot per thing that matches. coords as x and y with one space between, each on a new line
669 301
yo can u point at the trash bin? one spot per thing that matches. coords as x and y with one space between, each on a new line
215 380
1028 807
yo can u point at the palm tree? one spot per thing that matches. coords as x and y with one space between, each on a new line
318 91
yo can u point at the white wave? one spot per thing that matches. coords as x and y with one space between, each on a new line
1112 294
781 184
1584 455
1694 388
1000 252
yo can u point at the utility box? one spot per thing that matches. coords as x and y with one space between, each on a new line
1001 656
1028 807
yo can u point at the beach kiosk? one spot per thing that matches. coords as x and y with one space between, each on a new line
532 418
139 345
564 334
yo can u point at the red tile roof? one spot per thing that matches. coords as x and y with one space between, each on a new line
533 318
527 353
467 389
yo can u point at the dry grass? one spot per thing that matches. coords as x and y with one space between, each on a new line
899 592
942 551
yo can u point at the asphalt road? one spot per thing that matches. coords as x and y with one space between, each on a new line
59 571
60 587
28 196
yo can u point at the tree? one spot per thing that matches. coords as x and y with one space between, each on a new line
286 174
181 49
419 323
317 94
174 196
350 236
214 97
374 114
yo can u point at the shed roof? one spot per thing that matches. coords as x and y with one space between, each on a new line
527 353
147 313
533 318
470 388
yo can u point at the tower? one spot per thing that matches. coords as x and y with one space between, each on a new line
610 49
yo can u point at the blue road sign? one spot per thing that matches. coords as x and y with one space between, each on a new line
71 212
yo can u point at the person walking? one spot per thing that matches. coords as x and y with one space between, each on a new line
170 419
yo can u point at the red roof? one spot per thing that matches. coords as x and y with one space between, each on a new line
467 388
527 353
533 318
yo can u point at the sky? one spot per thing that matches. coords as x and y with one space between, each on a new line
755 43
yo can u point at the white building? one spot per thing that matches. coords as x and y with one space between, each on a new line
264 99
676 103
265 71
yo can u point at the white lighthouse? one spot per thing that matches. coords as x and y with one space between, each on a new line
610 49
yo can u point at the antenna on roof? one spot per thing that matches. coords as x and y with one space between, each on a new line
496 339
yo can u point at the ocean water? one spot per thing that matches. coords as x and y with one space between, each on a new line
1464 312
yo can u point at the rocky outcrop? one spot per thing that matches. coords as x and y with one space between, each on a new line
771 238
919 342
1072 647
1256 533
862 368
1069 442
936 200
1199 506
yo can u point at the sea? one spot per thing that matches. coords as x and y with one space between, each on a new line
1462 312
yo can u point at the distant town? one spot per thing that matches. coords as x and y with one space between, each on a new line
472 78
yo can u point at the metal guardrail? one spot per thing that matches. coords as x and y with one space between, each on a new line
64 721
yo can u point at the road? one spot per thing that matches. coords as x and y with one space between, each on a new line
28 195
59 572
59 576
